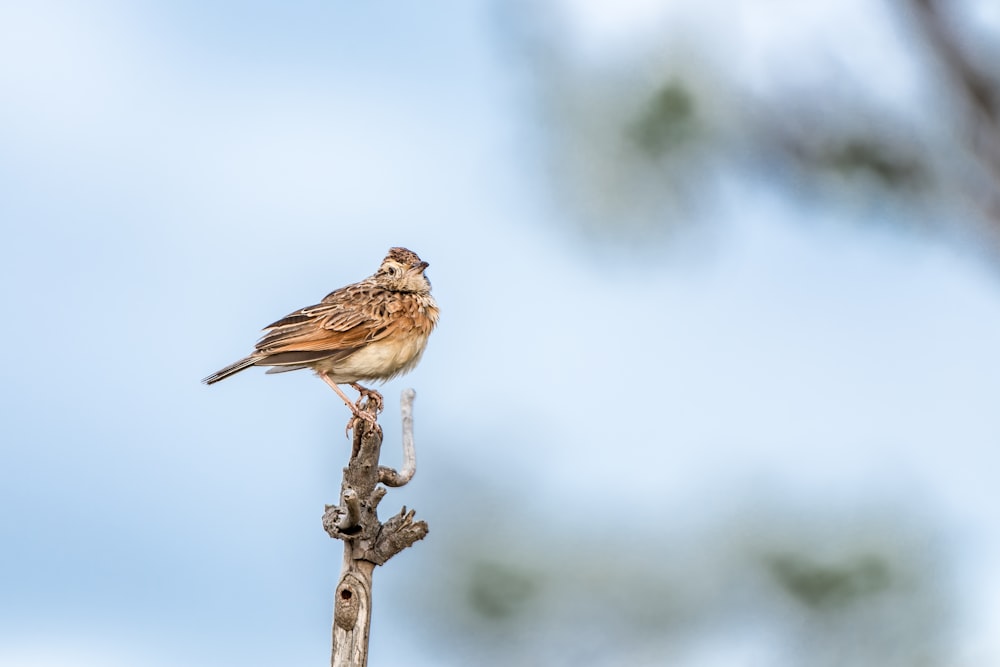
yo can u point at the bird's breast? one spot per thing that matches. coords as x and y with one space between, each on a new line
381 360
396 351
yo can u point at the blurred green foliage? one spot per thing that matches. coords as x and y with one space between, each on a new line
816 588
499 590
831 586
667 122
639 144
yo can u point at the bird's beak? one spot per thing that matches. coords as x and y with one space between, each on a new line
421 266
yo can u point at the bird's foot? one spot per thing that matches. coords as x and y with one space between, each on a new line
367 407
361 414
373 399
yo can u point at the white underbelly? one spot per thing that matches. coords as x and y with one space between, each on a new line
380 361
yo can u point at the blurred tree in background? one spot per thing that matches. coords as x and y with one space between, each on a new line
762 586
637 147
642 142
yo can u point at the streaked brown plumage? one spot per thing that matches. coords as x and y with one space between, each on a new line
372 330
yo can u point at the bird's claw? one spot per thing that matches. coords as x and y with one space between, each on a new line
361 415
372 399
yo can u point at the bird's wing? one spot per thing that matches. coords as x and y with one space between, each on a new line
344 321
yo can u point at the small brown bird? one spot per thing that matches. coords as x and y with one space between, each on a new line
372 330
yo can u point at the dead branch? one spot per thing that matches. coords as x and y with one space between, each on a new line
367 541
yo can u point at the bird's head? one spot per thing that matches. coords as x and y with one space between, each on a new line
403 271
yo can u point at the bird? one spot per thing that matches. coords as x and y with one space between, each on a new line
372 330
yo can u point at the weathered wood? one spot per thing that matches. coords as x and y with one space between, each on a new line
352 613
367 541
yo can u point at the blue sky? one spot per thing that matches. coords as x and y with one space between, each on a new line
173 176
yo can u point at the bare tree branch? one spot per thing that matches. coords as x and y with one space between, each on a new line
387 475
981 97
367 541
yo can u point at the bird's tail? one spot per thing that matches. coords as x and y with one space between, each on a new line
231 369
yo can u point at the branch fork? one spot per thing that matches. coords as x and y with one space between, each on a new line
367 541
